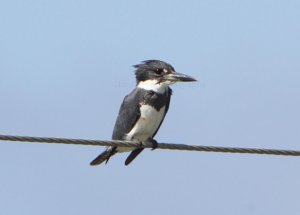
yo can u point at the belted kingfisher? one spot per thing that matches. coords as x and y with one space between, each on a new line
144 109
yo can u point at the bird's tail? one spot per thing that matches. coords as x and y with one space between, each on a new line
133 155
110 151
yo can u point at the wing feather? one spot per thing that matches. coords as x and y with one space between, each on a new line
129 114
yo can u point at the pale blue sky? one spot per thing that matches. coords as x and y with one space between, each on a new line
65 67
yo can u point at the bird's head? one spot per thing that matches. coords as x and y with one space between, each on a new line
159 72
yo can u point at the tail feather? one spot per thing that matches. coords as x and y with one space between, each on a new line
133 155
104 156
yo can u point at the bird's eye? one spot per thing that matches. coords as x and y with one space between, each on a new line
159 71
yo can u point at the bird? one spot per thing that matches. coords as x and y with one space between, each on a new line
144 109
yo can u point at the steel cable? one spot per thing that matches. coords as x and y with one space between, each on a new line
170 146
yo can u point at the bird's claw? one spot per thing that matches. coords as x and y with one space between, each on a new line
153 142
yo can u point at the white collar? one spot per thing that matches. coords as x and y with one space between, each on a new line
154 86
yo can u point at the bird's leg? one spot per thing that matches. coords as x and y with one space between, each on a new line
153 142
140 145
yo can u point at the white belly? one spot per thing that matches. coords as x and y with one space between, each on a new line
147 124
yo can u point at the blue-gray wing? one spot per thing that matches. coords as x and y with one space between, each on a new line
129 114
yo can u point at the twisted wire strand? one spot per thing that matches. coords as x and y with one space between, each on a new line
170 146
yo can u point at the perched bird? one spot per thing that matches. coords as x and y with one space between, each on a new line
143 110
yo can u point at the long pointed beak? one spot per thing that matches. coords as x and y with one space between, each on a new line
180 77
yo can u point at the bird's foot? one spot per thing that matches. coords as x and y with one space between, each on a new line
140 145
153 142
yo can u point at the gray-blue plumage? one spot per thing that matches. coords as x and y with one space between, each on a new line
130 111
143 110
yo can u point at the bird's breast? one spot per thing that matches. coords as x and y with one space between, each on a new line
147 124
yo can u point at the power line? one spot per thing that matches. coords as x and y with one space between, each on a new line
170 146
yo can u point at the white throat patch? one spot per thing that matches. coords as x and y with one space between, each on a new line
154 86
